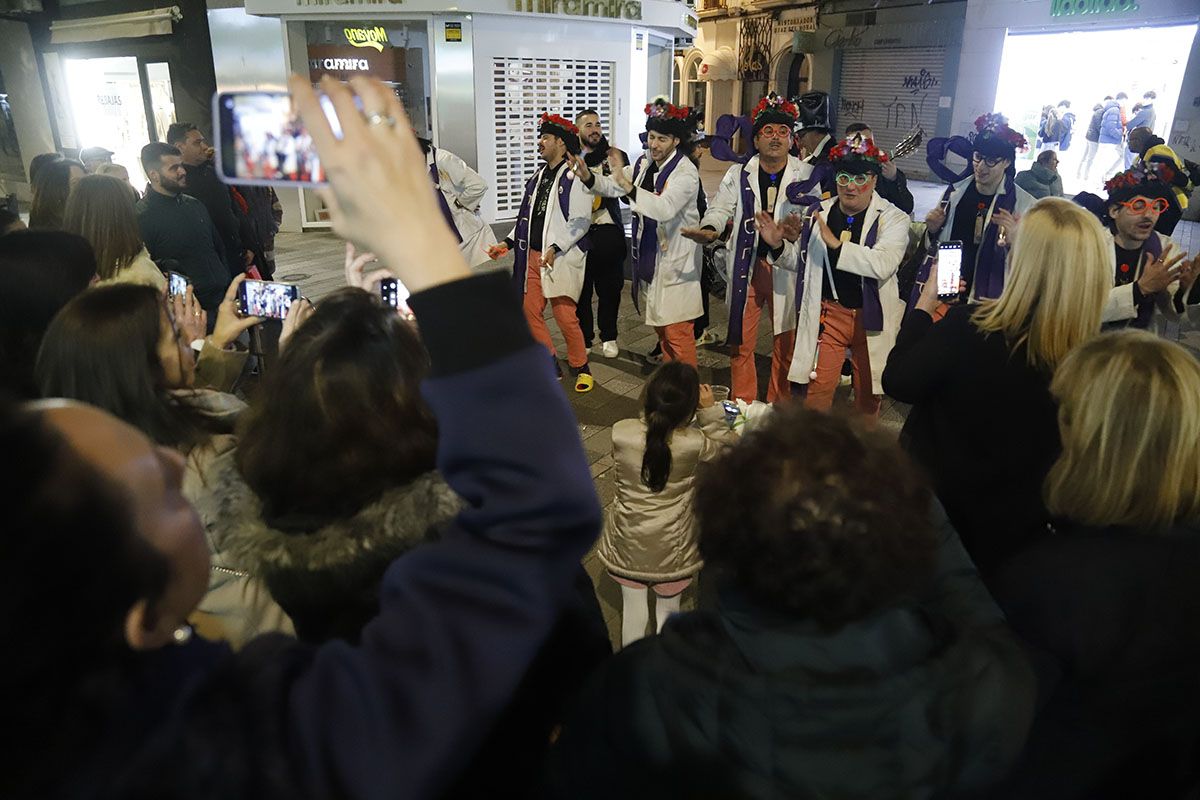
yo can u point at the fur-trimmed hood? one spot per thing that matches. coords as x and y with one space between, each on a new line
325 576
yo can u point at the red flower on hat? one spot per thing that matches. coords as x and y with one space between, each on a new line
668 110
997 125
859 149
562 122
774 102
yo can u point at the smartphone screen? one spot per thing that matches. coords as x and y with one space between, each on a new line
949 268
394 295
266 299
176 284
262 141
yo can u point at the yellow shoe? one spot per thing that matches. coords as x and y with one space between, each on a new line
584 382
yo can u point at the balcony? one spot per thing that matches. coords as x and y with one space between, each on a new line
706 9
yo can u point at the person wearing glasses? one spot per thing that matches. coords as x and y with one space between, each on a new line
982 208
757 187
1151 275
849 249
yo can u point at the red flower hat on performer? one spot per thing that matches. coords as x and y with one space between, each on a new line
994 139
857 156
672 120
1145 180
774 110
563 128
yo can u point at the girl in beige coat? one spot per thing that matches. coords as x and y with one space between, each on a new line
649 540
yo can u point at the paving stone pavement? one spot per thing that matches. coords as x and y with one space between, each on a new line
315 261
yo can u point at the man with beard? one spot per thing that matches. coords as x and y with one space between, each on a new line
1149 275
746 191
555 215
981 210
606 257
176 226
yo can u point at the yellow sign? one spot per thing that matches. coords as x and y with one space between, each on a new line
367 37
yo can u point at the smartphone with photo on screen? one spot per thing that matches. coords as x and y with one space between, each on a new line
262 142
949 269
266 299
176 284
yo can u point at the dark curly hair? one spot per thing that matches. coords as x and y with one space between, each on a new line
816 516
340 419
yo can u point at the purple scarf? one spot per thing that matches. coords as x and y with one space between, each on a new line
1145 312
436 177
645 230
872 306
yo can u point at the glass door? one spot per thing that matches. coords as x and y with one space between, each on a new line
162 102
107 108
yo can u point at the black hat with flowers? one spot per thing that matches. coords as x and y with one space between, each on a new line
857 156
1145 180
564 129
993 138
669 119
774 110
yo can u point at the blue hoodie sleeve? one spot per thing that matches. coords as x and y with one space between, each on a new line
461 619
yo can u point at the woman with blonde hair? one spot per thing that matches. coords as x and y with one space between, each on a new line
101 210
1114 594
983 422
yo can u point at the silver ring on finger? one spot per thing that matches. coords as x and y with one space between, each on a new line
376 119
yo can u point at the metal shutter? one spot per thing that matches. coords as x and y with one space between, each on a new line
893 91
524 89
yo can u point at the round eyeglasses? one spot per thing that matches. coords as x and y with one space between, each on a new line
845 179
775 131
979 159
1139 205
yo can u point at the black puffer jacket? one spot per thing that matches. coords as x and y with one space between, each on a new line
927 700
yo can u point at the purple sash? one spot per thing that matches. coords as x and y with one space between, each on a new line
743 262
436 177
645 231
872 306
1145 312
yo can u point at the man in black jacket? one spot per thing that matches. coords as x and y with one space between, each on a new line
204 185
606 258
893 183
176 226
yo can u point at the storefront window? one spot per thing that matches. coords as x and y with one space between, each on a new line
107 109
162 103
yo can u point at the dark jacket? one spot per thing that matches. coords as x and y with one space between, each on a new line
1068 130
983 425
179 229
1115 610
460 620
204 185
931 698
1093 131
896 192
1040 181
1145 117
1112 129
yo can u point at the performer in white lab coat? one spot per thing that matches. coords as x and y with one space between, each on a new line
746 190
460 189
661 188
550 242
846 258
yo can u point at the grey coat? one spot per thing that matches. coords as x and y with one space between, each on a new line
1040 182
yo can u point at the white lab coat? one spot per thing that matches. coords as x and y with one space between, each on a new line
565 278
463 188
879 262
674 294
1024 202
1120 307
728 204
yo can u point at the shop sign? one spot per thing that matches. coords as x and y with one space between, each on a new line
453 31
803 21
349 2
366 37
612 9
1071 8
344 62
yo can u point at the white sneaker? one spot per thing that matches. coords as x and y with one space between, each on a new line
610 349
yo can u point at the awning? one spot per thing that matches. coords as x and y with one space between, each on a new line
156 22
719 65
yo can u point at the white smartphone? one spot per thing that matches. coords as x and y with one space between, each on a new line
949 269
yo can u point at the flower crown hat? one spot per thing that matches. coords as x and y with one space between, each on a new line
563 128
774 110
664 117
857 156
1145 180
993 138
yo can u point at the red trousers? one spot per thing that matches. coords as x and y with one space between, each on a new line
563 309
842 328
744 375
678 342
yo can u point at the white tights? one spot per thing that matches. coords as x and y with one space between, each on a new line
635 612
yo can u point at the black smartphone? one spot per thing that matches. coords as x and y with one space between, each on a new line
949 269
394 295
262 142
266 299
176 284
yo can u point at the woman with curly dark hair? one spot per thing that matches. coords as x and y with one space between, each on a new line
853 651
